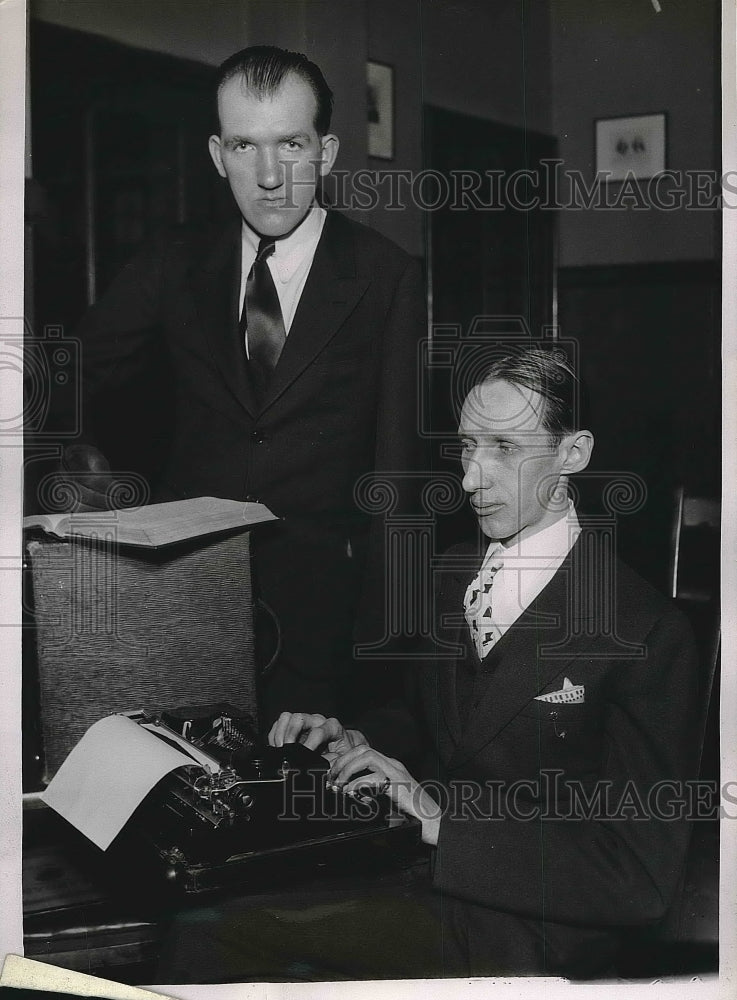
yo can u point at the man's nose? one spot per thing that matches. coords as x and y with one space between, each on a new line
473 476
269 170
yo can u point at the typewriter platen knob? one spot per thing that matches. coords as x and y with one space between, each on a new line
175 861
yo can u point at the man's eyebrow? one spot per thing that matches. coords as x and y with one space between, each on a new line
287 137
512 436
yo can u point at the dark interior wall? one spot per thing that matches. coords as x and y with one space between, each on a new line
624 58
486 59
206 31
639 289
395 37
648 337
491 60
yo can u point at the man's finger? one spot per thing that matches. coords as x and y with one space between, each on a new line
313 731
280 728
291 725
277 734
274 738
299 724
330 731
317 737
327 731
351 763
373 783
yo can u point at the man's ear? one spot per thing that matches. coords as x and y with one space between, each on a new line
329 146
576 451
217 154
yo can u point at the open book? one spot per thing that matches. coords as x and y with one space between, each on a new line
156 524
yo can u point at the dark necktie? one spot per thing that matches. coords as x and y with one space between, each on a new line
262 318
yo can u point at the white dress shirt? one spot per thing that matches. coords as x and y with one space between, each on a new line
529 565
289 264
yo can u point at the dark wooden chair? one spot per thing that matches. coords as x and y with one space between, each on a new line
686 941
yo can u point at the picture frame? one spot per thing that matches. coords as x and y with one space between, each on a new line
380 109
630 146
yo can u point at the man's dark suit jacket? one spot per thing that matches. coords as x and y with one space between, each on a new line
342 403
546 885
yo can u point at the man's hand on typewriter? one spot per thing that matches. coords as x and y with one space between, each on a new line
315 732
362 768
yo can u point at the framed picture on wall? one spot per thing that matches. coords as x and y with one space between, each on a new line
380 110
632 146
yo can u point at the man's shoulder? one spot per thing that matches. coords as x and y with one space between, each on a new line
591 563
191 243
199 244
635 599
594 547
598 586
364 238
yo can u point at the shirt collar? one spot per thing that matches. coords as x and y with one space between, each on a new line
549 544
290 251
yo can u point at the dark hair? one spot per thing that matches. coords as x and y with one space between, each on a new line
264 67
549 372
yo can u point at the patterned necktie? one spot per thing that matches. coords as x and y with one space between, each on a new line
262 320
477 604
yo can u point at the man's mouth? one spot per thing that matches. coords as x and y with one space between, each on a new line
485 508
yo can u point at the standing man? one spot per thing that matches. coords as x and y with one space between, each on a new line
291 339
561 732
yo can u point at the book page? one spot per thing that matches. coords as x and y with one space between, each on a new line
55 524
156 524
181 519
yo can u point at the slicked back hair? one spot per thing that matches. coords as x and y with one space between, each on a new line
548 372
264 68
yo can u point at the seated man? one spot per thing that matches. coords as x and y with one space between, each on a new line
560 729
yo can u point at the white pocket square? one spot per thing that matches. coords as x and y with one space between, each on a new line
569 694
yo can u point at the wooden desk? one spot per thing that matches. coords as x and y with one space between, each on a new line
360 918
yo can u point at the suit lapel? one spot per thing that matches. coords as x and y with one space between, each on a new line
216 287
452 629
331 293
519 671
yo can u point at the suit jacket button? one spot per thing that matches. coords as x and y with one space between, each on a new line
257 437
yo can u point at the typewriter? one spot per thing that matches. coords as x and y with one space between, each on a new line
246 812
